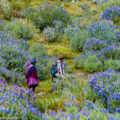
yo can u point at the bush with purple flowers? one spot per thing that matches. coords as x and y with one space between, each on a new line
112 13
70 31
106 86
106 58
16 101
112 51
59 25
104 30
13 58
94 44
46 14
50 34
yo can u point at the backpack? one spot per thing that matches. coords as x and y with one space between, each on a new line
54 69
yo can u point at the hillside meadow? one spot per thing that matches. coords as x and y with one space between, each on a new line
86 33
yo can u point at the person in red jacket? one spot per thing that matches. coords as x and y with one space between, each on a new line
31 75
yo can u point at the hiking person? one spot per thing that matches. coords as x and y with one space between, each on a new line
58 68
31 75
57 71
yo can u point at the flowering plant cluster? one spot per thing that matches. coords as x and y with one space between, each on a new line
12 59
17 102
112 13
106 86
102 46
103 30
92 61
76 36
50 34
15 53
94 44
46 14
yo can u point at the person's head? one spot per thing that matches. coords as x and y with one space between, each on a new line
61 58
33 61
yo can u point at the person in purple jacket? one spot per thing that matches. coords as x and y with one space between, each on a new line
31 75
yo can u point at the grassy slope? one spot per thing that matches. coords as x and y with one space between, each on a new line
75 10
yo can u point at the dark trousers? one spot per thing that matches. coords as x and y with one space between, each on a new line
33 87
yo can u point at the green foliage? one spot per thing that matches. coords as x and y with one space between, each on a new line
38 50
2 25
6 10
68 69
111 64
77 40
89 63
76 36
92 64
106 5
50 34
59 25
20 29
46 14
70 31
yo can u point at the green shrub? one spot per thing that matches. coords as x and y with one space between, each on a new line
38 50
68 69
2 25
111 64
46 14
6 10
79 63
92 64
59 25
106 5
20 29
77 40
88 62
50 34
70 30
